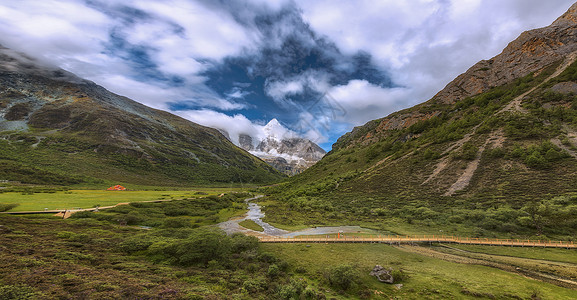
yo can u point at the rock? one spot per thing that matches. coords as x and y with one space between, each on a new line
399 286
565 87
382 274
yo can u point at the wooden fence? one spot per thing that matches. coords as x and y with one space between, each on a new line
393 239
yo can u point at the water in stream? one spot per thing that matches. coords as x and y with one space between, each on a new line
255 214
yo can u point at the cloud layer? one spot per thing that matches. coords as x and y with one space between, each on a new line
320 67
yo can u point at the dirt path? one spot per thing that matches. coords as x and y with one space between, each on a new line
558 143
463 180
66 213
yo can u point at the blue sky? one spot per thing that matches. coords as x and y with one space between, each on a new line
319 67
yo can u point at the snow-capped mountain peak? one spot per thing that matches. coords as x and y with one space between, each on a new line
281 147
275 130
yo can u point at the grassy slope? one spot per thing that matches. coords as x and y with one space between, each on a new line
72 160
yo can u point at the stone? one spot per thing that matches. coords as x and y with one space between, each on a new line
382 274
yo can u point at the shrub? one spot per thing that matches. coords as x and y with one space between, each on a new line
202 246
273 271
137 243
342 277
177 222
254 285
7 206
241 243
17 292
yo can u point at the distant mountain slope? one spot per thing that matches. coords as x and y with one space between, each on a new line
58 128
500 141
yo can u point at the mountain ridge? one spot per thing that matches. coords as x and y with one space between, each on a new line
46 112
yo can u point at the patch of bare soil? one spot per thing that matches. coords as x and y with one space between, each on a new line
441 165
496 139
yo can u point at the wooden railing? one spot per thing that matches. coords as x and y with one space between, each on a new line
395 239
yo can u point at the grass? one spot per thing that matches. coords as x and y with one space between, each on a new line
552 254
429 278
90 198
250 224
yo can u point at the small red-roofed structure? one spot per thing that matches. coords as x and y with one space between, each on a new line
116 188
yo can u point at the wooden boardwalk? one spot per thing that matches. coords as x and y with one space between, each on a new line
393 239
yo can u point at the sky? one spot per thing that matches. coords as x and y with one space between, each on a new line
319 67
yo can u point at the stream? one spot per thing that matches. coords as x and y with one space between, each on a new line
256 214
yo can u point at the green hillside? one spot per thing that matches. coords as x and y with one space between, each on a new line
60 129
501 161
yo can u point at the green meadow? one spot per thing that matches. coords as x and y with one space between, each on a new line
33 201
421 276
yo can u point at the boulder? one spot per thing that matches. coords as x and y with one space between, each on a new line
382 274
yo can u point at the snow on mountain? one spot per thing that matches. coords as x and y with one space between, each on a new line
279 146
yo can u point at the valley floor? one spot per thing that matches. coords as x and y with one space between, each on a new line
92 256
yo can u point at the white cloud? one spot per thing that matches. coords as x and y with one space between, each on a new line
75 37
207 33
233 125
238 124
362 101
282 90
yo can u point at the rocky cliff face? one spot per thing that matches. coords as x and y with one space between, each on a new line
290 156
532 52
47 114
282 149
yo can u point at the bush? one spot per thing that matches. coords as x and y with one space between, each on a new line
177 222
255 285
17 292
399 276
273 271
241 243
137 243
7 206
342 277
202 246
